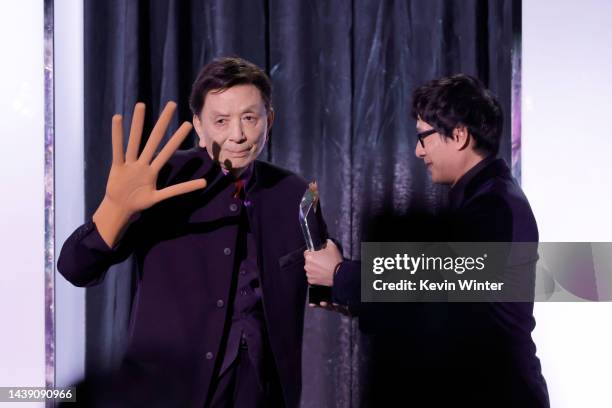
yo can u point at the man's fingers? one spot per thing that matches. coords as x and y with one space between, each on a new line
135 132
158 132
117 130
181 188
171 147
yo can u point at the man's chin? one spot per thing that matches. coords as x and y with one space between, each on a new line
434 178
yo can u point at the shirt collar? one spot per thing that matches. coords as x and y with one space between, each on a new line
245 177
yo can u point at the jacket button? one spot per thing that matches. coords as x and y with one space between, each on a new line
243 272
220 303
233 207
209 355
227 251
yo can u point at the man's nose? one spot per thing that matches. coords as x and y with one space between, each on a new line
237 133
419 151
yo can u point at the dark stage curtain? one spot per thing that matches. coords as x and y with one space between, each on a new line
343 72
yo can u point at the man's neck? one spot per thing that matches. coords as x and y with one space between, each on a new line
235 173
243 173
467 164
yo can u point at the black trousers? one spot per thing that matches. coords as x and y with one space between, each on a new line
239 386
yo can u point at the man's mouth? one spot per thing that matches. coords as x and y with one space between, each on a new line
239 153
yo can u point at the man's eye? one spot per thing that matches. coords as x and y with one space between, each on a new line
220 121
249 118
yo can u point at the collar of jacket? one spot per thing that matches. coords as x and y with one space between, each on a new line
471 182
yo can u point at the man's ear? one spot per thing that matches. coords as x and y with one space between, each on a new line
461 136
197 125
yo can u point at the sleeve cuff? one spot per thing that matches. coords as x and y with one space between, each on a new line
90 238
347 284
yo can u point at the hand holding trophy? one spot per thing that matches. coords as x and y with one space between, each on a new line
320 293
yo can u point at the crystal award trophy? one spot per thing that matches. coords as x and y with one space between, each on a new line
310 229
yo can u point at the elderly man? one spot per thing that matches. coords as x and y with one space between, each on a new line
452 354
219 303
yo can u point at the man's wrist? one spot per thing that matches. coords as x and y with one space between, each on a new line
110 220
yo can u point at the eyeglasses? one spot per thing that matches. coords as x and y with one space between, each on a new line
422 135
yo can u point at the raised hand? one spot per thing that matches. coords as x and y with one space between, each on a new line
131 185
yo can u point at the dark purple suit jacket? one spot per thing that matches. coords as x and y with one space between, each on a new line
185 250
456 354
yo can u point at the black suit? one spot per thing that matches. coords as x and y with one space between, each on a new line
456 354
186 250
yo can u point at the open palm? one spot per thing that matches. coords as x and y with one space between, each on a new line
132 179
